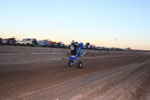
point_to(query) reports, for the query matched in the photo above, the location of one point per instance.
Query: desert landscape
(36, 73)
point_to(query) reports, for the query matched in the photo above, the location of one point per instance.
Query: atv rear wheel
(80, 65)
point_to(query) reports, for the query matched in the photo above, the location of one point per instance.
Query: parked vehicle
(44, 43)
(5, 41)
(60, 44)
(87, 45)
(0, 41)
(53, 44)
(28, 42)
(12, 41)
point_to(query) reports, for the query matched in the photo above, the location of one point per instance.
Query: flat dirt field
(36, 73)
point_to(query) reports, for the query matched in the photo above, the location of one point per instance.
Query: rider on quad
(76, 53)
(73, 47)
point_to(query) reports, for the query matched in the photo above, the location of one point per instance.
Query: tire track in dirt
(88, 79)
(126, 87)
(68, 87)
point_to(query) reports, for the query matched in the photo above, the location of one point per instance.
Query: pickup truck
(28, 42)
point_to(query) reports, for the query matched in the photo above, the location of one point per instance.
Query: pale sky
(109, 23)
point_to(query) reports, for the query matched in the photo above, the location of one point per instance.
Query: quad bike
(75, 59)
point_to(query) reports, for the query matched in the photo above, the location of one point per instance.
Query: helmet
(73, 42)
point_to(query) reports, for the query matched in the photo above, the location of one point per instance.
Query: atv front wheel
(70, 63)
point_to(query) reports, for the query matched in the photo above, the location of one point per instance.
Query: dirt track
(42, 74)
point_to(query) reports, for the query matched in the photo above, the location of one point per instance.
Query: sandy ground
(35, 73)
